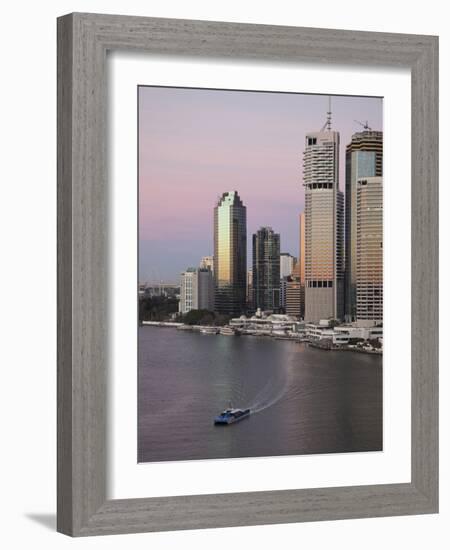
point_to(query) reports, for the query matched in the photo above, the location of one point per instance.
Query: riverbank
(324, 345)
(344, 347)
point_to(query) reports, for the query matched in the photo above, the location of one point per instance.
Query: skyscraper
(369, 249)
(324, 210)
(196, 289)
(266, 269)
(230, 254)
(363, 158)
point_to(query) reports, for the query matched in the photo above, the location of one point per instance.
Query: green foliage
(157, 308)
(204, 317)
(198, 317)
(221, 320)
(375, 344)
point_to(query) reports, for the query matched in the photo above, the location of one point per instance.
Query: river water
(304, 400)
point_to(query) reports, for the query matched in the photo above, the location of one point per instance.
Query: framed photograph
(247, 274)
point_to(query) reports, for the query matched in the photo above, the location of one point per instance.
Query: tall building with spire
(324, 226)
(266, 269)
(230, 254)
(363, 158)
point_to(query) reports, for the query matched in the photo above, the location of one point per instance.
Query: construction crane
(365, 124)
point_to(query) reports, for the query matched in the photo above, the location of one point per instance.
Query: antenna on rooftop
(327, 124)
(329, 114)
(365, 124)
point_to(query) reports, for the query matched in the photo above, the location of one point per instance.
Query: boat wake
(272, 393)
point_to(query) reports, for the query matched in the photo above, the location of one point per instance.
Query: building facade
(301, 263)
(293, 305)
(283, 290)
(324, 228)
(230, 254)
(287, 263)
(369, 249)
(207, 262)
(196, 289)
(249, 296)
(363, 158)
(266, 269)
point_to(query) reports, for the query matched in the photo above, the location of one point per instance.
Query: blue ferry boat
(229, 416)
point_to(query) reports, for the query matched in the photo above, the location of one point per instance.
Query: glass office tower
(230, 254)
(266, 269)
(363, 158)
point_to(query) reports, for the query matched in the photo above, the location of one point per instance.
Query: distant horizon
(196, 144)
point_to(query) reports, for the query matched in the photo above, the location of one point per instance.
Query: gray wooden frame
(83, 40)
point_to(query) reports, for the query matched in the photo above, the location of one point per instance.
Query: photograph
(260, 274)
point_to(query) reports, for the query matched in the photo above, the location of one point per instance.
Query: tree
(157, 308)
(195, 316)
(204, 317)
(375, 343)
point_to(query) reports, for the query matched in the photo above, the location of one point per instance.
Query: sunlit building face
(230, 254)
(323, 230)
(363, 158)
(369, 249)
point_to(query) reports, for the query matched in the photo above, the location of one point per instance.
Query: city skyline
(192, 150)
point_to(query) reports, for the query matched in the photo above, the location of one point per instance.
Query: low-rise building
(275, 324)
(342, 334)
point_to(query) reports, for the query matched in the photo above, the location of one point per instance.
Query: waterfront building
(230, 254)
(266, 269)
(342, 334)
(269, 325)
(207, 262)
(369, 249)
(363, 158)
(324, 225)
(287, 263)
(196, 289)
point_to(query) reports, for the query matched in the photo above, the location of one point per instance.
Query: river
(303, 400)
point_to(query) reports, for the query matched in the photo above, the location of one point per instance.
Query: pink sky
(196, 144)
